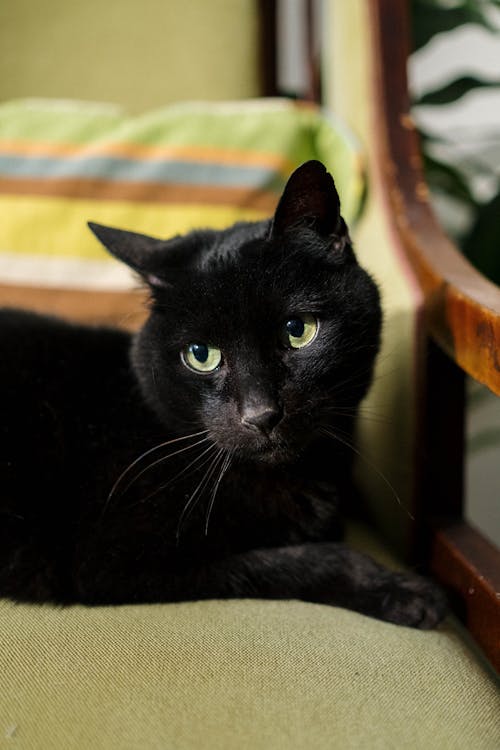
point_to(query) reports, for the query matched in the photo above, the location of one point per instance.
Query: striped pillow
(162, 173)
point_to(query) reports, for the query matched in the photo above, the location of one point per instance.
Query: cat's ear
(310, 199)
(144, 254)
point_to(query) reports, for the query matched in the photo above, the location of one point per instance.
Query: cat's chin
(272, 456)
(269, 452)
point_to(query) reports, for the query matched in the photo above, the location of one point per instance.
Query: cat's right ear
(144, 254)
(310, 199)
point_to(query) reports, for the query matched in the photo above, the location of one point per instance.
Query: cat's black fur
(241, 499)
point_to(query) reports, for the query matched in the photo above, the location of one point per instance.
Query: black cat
(207, 455)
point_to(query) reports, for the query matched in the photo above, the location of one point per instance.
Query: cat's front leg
(328, 573)
(334, 574)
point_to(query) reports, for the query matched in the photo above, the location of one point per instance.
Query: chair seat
(236, 674)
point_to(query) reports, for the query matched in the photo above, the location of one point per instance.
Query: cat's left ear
(310, 199)
(144, 254)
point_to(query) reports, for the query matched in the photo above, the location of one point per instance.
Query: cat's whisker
(340, 388)
(374, 468)
(354, 377)
(357, 379)
(161, 460)
(225, 466)
(359, 414)
(153, 375)
(155, 448)
(195, 465)
(325, 406)
(195, 496)
(353, 411)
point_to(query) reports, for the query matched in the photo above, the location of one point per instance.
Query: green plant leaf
(482, 245)
(455, 90)
(487, 438)
(446, 178)
(430, 18)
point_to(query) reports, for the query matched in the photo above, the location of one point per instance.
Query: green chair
(262, 674)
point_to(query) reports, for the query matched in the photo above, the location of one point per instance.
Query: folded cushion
(162, 173)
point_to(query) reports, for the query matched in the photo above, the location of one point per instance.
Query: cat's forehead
(247, 252)
(243, 232)
(256, 271)
(236, 243)
(242, 276)
(251, 285)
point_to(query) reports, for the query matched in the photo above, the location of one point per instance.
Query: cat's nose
(261, 417)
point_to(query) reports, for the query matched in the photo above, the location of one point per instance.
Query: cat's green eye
(300, 330)
(202, 357)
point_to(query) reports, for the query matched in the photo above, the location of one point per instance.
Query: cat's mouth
(275, 447)
(276, 454)
(266, 443)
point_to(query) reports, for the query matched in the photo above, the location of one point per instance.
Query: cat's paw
(412, 601)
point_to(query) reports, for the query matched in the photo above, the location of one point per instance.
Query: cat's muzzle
(262, 419)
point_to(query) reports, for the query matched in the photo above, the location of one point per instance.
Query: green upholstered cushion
(136, 54)
(251, 675)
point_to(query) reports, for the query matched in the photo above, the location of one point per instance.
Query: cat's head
(261, 333)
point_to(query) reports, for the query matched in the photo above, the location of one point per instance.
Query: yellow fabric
(239, 674)
(37, 237)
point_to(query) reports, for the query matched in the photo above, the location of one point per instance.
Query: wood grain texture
(123, 309)
(462, 306)
(267, 59)
(466, 563)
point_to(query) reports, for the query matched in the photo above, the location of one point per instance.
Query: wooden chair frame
(460, 333)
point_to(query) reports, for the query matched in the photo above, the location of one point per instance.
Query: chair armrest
(462, 307)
